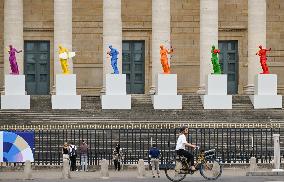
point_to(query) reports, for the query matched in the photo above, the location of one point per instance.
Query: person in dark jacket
(154, 155)
(73, 156)
(117, 157)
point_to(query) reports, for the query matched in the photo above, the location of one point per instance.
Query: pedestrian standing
(73, 156)
(116, 157)
(65, 151)
(84, 156)
(154, 155)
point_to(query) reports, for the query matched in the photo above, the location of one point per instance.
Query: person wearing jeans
(84, 156)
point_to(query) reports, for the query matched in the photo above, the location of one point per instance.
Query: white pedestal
(216, 93)
(166, 93)
(116, 97)
(265, 92)
(15, 94)
(66, 97)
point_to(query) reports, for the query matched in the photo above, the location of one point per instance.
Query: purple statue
(12, 59)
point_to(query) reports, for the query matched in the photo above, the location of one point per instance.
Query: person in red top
(262, 54)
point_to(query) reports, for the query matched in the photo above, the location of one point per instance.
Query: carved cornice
(232, 29)
(137, 29)
(32, 29)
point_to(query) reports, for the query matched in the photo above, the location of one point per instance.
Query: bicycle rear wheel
(173, 171)
(211, 170)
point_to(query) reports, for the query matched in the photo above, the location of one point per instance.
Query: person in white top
(180, 147)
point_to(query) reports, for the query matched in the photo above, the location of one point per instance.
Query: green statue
(215, 60)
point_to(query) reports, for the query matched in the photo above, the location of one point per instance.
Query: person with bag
(117, 157)
(73, 156)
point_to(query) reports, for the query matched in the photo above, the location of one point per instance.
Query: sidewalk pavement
(228, 175)
(126, 174)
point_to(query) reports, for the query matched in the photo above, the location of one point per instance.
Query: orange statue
(164, 58)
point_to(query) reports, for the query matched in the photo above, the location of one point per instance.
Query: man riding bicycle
(180, 147)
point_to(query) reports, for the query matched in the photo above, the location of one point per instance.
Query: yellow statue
(63, 55)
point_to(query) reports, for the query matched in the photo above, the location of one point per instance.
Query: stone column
(161, 34)
(208, 37)
(62, 31)
(277, 157)
(112, 35)
(256, 37)
(13, 32)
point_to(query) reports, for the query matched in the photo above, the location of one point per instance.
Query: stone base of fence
(130, 167)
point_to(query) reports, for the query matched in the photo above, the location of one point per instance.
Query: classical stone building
(137, 28)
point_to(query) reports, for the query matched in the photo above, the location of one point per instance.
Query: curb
(265, 173)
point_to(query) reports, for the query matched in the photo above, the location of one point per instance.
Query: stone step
(142, 111)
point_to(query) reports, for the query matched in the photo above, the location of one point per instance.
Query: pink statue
(262, 54)
(12, 59)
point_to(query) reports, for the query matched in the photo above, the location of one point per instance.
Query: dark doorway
(37, 66)
(229, 60)
(133, 65)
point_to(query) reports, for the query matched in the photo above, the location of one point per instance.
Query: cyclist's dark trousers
(188, 155)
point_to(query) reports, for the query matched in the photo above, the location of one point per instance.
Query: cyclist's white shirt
(181, 142)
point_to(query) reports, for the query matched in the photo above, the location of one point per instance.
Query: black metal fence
(233, 145)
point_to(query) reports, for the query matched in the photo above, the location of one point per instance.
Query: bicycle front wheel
(173, 171)
(211, 170)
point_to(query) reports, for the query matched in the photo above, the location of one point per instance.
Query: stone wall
(275, 39)
(1, 43)
(136, 17)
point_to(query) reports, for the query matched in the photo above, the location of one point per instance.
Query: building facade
(136, 28)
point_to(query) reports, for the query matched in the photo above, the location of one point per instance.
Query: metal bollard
(28, 170)
(104, 169)
(141, 169)
(252, 164)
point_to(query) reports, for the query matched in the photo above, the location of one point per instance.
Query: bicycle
(211, 169)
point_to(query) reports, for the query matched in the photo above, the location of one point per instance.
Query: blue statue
(113, 53)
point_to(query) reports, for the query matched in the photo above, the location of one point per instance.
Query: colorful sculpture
(215, 60)
(164, 58)
(13, 61)
(64, 59)
(113, 53)
(262, 54)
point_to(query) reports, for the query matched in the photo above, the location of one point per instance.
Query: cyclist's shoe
(192, 168)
